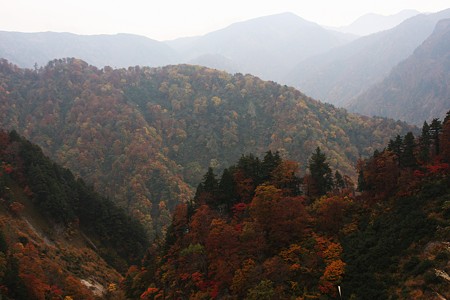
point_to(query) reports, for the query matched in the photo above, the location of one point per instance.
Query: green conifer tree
(227, 189)
(435, 129)
(339, 182)
(407, 157)
(425, 143)
(320, 172)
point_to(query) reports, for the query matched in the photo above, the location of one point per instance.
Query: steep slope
(249, 234)
(120, 50)
(400, 249)
(345, 72)
(418, 88)
(145, 136)
(372, 23)
(58, 237)
(266, 47)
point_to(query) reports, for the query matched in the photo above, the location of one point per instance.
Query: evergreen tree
(425, 143)
(407, 158)
(227, 189)
(251, 166)
(339, 182)
(269, 163)
(395, 145)
(321, 174)
(207, 190)
(210, 183)
(361, 181)
(445, 139)
(435, 128)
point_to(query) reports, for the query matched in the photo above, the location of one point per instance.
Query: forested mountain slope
(417, 88)
(255, 232)
(345, 72)
(58, 237)
(145, 136)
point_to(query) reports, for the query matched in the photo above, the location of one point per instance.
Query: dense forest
(262, 230)
(145, 136)
(56, 232)
(292, 218)
(185, 182)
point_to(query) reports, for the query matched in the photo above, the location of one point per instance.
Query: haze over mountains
(265, 46)
(283, 220)
(325, 64)
(416, 89)
(345, 72)
(121, 50)
(372, 23)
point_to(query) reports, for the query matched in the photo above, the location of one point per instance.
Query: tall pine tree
(321, 175)
(425, 143)
(407, 157)
(435, 129)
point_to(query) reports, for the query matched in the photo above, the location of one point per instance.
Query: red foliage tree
(224, 256)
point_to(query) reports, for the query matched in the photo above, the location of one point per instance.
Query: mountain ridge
(417, 88)
(145, 136)
(264, 46)
(345, 72)
(372, 23)
(118, 50)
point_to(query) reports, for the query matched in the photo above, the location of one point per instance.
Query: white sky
(169, 19)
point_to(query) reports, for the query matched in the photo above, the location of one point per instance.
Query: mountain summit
(345, 72)
(372, 23)
(265, 46)
(418, 88)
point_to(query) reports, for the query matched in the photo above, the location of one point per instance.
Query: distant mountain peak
(345, 72)
(372, 22)
(280, 19)
(417, 88)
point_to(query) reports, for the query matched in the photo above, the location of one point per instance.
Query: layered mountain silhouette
(328, 65)
(266, 46)
(120, 50)
(373, 23)
(345, 72)
(418, 88)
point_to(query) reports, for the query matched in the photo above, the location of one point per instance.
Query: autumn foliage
(142, 136)
(266, 228)
(261, 241)
(263, 231)
(54, 239)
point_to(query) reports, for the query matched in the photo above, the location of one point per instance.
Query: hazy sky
(168, 19)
